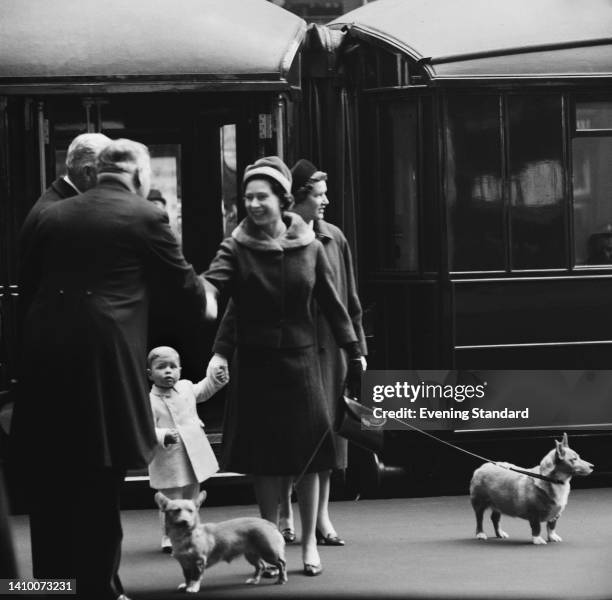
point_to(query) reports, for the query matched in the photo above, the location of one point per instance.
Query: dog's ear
(161, 500)
(564, 442)
(200, 499)
(561, 448)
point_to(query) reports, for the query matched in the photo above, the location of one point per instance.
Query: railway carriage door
(184, 140)
(399, 243)
(193, 145)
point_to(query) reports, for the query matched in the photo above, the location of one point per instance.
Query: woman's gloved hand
(353, 377)
(218, 366)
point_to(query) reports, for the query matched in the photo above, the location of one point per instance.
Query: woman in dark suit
(273, 267)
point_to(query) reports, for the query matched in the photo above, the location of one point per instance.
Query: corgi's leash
(487, 460)
(297, 480)
(433, 437)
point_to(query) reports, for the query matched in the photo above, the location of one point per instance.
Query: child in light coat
(184, 457)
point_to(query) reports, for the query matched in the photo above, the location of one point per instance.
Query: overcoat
(277, 413)
(88, 267)
(60, 189)
(331, 358)
(191, 460)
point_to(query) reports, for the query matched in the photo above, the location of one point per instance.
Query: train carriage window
(535, 177)
(592, 182)
(166, 172)
(474, 183)
(396, 239)
(229, 183)
(592, 115)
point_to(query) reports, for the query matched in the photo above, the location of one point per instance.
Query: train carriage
(206, 84)
(474, 153)
(468, 145)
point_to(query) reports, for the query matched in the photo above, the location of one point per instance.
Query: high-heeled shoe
(313, 570)
(288, 535)
(328, 540)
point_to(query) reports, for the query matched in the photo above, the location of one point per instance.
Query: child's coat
(175, 465)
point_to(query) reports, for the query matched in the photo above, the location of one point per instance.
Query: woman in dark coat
(310, 192)
(273, 267)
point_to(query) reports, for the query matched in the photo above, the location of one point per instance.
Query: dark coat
(273, 283)
(331, 358)
(276, 412)
(60, 189)
(89, 265)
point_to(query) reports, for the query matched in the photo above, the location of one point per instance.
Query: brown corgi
(198, 546)
(519, 495)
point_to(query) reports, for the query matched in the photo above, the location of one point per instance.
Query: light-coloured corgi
(198, 546)
(519, 495)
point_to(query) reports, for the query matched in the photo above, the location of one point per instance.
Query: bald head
(129, 161)
(81, 159)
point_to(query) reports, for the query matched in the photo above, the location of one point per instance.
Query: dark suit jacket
(89, 265)
(58, 190)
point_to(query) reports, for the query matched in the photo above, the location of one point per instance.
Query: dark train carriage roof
(493, 39)
(128, 45)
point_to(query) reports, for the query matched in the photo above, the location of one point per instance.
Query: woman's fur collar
(298, 234)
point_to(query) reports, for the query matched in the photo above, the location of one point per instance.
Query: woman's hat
(302, 171)
(270, 166)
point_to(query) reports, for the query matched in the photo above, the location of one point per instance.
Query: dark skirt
(333, 374)
(276, 413)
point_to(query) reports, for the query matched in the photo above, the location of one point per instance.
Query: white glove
(212, 293)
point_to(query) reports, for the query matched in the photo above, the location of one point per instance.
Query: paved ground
(402, 548)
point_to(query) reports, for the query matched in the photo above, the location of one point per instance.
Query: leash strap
(530, 473)
(297, 480)
(437, 439)
(478, 456)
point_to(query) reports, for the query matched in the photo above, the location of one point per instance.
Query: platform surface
(396, 548)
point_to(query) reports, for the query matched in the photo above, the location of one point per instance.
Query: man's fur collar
(298, 234)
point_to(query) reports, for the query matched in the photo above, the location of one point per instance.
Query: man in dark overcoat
(81, 175)
(83, 416)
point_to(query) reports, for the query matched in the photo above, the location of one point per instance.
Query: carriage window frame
(504, 153)
(373, 254)
(584, 188)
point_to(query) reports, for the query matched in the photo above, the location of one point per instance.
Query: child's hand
(172, 437)
(221, 374)
(218, 369)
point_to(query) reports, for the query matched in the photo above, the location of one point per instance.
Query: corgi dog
(518, 495)
(198, 546)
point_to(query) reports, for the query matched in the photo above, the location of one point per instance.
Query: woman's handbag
(357, 424)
